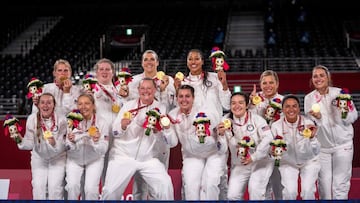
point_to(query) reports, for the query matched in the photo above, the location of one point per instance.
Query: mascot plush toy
(89, 83)
(273, 110)
(34, 88)
(278, 147)
(202, 124)
(218, 60)
(244, 146)
(12, 128)
(73, 118)
(343, 102)
(123, 78)
(152, 121)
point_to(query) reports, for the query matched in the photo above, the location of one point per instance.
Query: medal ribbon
(93, 121)
(107, 93)
(43, 126)
(173, 121)
(135, 111)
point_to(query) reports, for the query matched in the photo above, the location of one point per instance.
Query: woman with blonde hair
(335, 133)
(87, 144)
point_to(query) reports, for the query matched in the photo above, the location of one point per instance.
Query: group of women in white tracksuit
(326, 154)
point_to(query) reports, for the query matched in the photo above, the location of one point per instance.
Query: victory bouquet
(202, 124)
(73, 118)
(12, 128)
(89, 83)
(244, 146)
(152, 121)
(218, 60)
(272, 111)
(343, 102)
(278, 146)
(124, 77)
(35, 87)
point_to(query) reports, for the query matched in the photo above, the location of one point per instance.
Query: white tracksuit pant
(152, 171)
(47, 174)
(92, 174)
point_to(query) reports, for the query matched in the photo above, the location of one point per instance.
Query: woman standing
(335, 133)
(45, 132)
(62, 89)
(211, 89)
(87, 145)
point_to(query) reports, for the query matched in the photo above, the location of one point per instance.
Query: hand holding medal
(180, 76)
(115, 108)
(165, 122)
(92, 131)
(309, 132)
(227, 123)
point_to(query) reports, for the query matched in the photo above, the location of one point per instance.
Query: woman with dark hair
(211, 90)
(334, 112)
(300, 155)
(44, 135)
(248, 138)
(203, 162)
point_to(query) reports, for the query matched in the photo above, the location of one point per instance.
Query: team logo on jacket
(250, 127)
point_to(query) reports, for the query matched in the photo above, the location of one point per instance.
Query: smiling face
(185, 99)
(291, 109)
(46, 105)
(147, 91)
(104, 73)
(86, 105)
(195, 62)
(238, 105)
(269, 86)
(150, 63)
(320, 79)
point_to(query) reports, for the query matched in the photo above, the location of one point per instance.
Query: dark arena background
(287, 36)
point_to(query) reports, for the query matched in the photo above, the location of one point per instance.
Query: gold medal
(256, 100)
(315, 108)
(127, 115)
(160, 75)
(47, 134)
(92, 131)
(115, 108)
(307, 133)
(165, 121)
(180, 76)
(227, 123)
